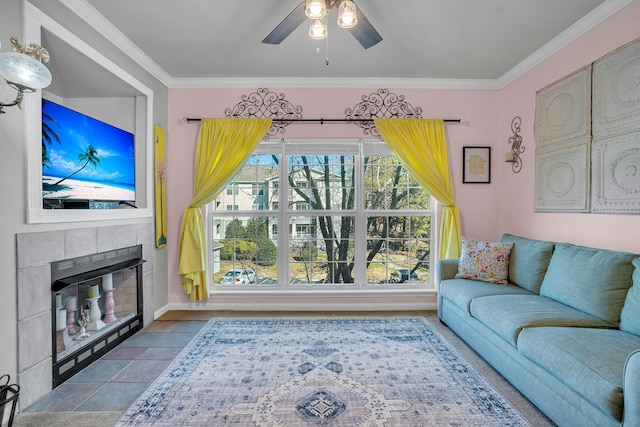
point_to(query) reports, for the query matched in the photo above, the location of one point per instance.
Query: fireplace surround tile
(106, 239)
(126, 235)
(34, 253)
(35, 382)
(34, 290)
(39, 248)
(79, 242)
(34, 338)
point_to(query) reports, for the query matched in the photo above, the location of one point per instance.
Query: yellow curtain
(224, 145)
(421, 144)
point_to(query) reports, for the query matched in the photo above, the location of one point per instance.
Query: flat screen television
(86, 163)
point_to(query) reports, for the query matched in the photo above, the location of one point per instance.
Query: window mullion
(360, 250)
(283, 220)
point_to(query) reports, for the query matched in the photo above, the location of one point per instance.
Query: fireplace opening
(96, 304)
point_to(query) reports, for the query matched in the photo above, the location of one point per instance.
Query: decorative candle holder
(63, 340)
(109, 306)
(62, 335)
(95, 316)
(72, 327)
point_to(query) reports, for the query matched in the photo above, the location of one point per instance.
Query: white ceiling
(188, 42)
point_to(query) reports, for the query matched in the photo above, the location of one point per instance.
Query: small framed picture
(476, 165)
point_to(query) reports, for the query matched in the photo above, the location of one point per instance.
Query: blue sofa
(565, 330)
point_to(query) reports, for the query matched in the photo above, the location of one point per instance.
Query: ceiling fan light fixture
(315, 9)
(318, 29)
(347, 17)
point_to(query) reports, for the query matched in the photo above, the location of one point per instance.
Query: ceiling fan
(349, 18)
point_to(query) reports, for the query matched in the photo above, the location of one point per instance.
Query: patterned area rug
(321, 372)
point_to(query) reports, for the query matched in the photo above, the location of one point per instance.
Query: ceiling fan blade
(364, 32)
(287, 26)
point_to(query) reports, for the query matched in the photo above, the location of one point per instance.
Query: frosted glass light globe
(23, 72)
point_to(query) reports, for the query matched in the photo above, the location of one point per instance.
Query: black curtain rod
(321, 121)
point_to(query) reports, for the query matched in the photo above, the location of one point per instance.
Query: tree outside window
(366, 222)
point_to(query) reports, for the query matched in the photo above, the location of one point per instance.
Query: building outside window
(355, 219)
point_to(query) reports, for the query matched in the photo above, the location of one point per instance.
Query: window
(355, 219)
(302, 229)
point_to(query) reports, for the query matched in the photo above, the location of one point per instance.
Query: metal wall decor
(562, 132)
(588, 138)
(616, 92)
(513, 156)
(378, 105)
(264, 103)
(615, 185)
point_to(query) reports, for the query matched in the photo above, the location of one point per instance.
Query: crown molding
(324, 82)
(586, 23)
(90, 15)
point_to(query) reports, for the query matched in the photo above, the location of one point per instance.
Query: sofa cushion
(484, 261)
(590, 361)
(529, 261)
(592, 280)
(461, 291)
(508, 315)
(630, 316)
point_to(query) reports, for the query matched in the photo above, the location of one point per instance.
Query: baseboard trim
(319, 307)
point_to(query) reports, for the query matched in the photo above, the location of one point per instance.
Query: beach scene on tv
(84, 159)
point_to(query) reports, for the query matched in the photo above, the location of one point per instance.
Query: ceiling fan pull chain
(327, 49)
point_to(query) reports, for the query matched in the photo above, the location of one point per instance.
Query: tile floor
(115, 381)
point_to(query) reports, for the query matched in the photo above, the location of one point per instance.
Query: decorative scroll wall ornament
(378, 105)
(267, 104)
(616, 92)
(563, 109)
(616, 174)
(562, 179)
(513, 156)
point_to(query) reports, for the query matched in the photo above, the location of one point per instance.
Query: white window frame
(347, 146)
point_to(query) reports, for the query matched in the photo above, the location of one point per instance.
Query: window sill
(326, 293)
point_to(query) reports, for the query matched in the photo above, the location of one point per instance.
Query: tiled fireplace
(43, 360)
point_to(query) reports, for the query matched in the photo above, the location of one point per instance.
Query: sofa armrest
(631, 390)
(446, 269)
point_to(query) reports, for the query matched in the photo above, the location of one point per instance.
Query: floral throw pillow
(484, 261)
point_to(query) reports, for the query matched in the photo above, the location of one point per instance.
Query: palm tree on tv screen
(89, 156)
(48, 135)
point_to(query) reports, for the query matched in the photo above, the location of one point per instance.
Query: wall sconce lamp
(23, 70)
(513, 156)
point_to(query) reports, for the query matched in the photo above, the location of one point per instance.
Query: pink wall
(517, 215)
(487, 210)
(479, 108)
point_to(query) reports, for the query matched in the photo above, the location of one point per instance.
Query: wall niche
(86, 81)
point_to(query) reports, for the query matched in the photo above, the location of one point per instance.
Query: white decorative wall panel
(616, 174)
(563, 109)
(616, 92)
(562, 178)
